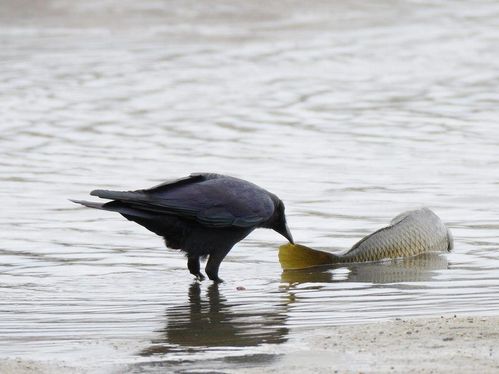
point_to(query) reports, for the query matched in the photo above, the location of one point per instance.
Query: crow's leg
(193, 266)
(214, 262)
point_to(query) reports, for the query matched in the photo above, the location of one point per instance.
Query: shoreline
(416, 345)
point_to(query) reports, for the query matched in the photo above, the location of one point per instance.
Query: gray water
(351, 112)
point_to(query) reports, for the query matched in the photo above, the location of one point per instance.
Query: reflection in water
(211, 322)
(411, 269)
(202, 324)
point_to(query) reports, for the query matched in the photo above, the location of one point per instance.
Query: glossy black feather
(210, 199)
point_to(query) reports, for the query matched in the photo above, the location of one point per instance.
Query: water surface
(350, 112)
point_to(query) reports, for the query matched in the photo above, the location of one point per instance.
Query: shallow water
(350, 112)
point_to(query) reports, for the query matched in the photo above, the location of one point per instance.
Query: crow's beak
(284, 231)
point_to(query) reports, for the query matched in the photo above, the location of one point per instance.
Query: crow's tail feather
(89, 204)
(120, 207)
(118, 195)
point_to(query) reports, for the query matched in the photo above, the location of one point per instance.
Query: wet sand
(429, 345)
(423, 345)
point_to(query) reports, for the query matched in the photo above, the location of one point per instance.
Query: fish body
(409, 234)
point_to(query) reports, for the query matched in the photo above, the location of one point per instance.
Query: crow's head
(278, 221)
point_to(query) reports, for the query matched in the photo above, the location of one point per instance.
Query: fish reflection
(210, 322)
(411, 269)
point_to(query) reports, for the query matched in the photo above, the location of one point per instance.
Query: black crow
(203, 214)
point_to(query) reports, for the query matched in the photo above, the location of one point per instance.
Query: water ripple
(348, 111)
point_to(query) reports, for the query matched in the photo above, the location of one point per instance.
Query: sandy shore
(427, 345)
(430, 345)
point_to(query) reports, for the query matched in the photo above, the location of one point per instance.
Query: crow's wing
(146, 194)
(193, 178)
(210, 199)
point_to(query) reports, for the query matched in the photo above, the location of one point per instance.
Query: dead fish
(409, 234)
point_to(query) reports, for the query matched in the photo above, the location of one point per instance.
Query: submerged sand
(425, 345)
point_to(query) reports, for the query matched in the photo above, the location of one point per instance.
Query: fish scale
(419, 232)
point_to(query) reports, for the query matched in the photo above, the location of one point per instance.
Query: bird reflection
(211, 322)
(412, 269)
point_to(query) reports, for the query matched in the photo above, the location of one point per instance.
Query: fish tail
(296, 256)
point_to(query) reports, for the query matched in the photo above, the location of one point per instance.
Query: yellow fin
(296, 256)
